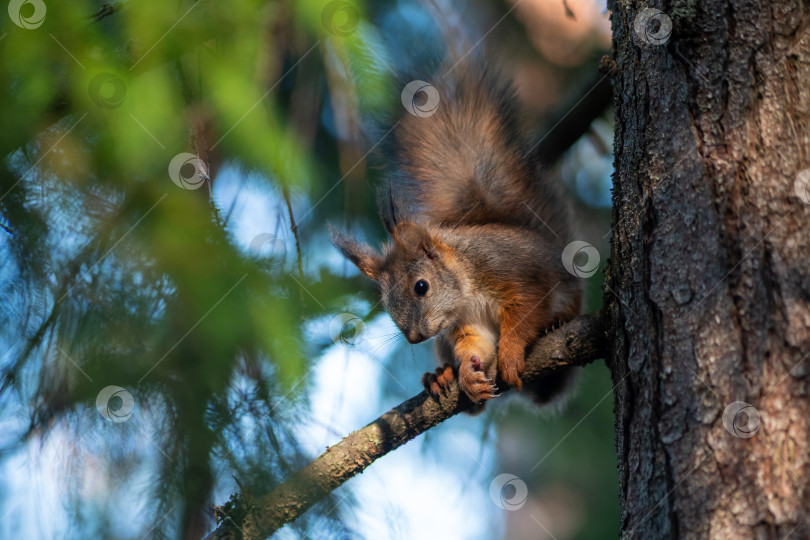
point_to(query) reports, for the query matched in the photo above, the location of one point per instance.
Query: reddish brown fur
(469, 213)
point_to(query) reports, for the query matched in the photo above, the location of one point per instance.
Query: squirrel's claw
(436, 384)
(474, 381)
(511, 365)
(512, 373)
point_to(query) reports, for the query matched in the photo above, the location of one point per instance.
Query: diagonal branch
(578, 342)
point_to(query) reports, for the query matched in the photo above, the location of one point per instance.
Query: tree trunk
(708, 287)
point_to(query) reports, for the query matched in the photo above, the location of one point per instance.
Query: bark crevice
(710, 256)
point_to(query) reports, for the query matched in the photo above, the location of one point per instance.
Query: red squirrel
(477, 236)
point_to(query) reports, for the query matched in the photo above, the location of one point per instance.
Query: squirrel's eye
(421, 287)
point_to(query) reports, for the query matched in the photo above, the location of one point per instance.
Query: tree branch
(574, 118)
(294, 228)
(578, 342)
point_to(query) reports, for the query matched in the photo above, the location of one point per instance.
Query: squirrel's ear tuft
(415, 239)
(389, 213)
(360, 254)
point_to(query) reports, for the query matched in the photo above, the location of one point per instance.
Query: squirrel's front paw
(511, 368)
(473, 380)
(436, 384)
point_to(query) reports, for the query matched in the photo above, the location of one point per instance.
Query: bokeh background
(178, 329)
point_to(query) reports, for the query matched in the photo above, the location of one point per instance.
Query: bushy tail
(462, 159)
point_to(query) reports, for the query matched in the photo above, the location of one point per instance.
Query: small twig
(578, 342)
(106, 10)
(9, 231)
(294, 228)
(568, 12)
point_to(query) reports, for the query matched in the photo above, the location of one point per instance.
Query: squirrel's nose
(415, 337)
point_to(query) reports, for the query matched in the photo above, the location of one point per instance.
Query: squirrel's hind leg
(436, 383)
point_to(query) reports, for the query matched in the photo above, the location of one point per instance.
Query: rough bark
(578, 342)
(709, 280)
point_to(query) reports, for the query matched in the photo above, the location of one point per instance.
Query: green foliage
(113, 272)
(114, 275)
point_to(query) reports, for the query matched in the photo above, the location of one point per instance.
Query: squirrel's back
(466, 161)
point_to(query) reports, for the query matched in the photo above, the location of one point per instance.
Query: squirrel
(477, 232)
